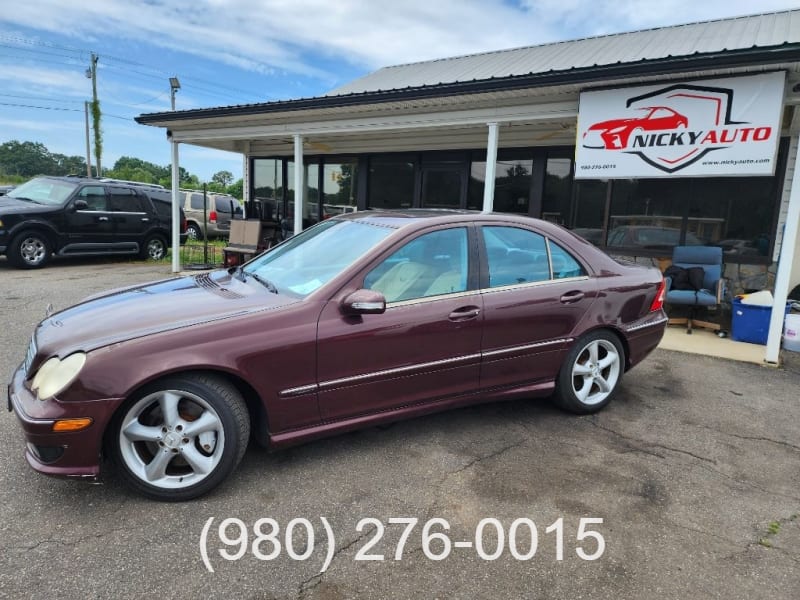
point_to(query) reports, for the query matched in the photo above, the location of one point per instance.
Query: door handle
(145, 220)
(102, 218)
(571, 297)
(464, 313)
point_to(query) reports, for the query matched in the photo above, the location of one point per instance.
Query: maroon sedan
(364, 318)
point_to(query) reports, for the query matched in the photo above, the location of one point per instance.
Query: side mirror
(364, 302)
(80, 205)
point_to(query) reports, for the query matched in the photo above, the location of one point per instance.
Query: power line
(62, 109)
(41, 98)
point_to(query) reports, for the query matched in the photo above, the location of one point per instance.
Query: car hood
(12, 206)
(152, 308)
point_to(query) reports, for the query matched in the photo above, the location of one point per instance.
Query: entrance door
(444, 186)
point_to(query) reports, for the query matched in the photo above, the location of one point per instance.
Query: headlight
(56, 374)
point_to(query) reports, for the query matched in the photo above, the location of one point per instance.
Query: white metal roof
(741, 33)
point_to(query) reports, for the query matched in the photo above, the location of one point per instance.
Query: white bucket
(791, 333)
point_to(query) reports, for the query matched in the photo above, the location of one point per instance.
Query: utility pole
(88, 146)
(98, 140)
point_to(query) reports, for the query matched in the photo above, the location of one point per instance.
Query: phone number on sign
(265, 540)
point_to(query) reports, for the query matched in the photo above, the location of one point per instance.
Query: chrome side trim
(298, 391)
(398, 370)
(425, 299)
(305, 389)
(528, 347)
(648, 324)
(516, 286)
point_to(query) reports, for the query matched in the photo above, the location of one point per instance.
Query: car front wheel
(181, 437)
(590, 373)
(29, 250)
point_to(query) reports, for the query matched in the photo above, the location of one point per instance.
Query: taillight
(212, 216)
(658, 301)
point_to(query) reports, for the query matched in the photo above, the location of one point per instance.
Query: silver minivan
(220, 210)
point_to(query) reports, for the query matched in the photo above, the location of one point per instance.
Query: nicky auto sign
(713, 127)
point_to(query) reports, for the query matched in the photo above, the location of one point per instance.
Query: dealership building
(638, 141)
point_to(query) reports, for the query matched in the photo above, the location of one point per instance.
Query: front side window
(94, 196)
(433, 264)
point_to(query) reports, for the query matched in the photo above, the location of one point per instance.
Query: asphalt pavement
(693, 469)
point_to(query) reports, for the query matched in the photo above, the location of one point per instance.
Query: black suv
(74, 216)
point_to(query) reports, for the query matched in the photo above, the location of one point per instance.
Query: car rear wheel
(181, 437)
(590, 374)
(29, 250)
(155, 248)
(194, 232)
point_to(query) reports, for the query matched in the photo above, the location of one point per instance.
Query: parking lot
(693, 469)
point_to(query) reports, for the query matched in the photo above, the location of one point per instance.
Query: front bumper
(60, 454)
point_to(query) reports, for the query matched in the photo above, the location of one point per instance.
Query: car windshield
(44, 191)
(305, 262)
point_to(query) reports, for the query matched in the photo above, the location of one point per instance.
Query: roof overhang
(536, 109)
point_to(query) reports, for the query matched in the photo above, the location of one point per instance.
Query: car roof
(424, 217)
(78, 179)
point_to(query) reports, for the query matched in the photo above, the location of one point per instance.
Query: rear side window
(515, 256)
(197, 201)
(564, 264)
(125, 200)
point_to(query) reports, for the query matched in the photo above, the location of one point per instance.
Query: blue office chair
(709, 294)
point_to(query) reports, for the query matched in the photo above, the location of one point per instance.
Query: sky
(227, 52)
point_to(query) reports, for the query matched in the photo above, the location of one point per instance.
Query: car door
(534, 295)
(88, 220)
(424, 347)
(129, 213)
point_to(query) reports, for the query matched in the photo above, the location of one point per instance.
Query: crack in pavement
(633, 440)
(752, 437)
(306, 585)
(70, 542)
(478, 459)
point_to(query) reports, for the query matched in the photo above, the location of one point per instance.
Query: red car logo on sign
(681, 124)
(614, 134)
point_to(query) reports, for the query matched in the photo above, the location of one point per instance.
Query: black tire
(591, 373)
(194, 231)
(180, 437)
(154, 248)
(29, 250)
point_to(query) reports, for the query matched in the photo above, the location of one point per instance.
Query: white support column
(783, 276)
(491, 168)
(298, 184)
(246, 175)
(176, 212)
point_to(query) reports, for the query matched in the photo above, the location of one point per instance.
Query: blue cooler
(751, 323)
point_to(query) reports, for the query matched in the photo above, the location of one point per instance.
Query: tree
(27, 159)
(224, 178)
(236, 189)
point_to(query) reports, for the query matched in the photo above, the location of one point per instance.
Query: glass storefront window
(391, 183)
(557, 191)
(512, 185)
(589, 210)
(268, 187)
(648, 214)
(733, 213)
(339, 187)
